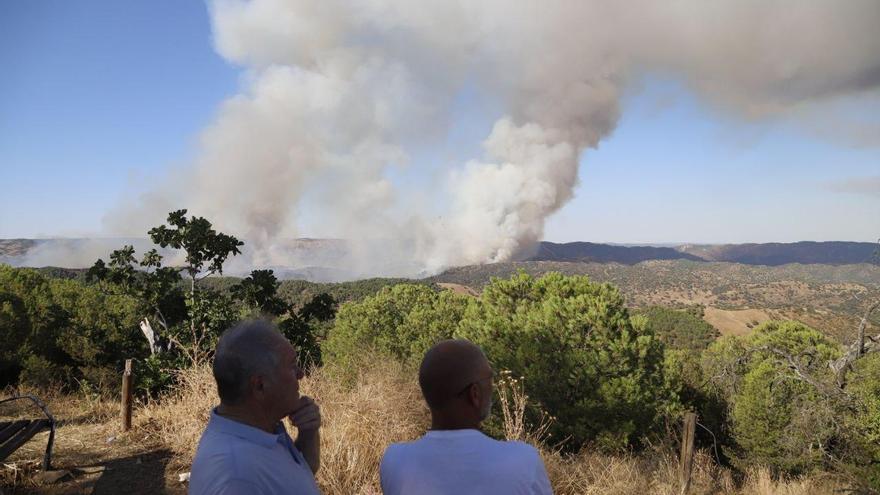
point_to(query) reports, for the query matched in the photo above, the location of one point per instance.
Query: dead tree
(863, 344)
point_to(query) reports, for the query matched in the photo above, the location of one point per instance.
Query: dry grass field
(734, 322)
(384, 406)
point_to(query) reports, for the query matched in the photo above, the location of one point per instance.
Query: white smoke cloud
(81, 252)
(340, 90)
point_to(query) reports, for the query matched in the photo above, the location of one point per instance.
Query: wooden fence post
(126, 396)
(686, 461)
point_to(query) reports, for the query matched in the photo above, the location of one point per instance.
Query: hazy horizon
(275, 120)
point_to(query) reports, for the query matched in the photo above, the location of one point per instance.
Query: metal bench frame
(16, 433)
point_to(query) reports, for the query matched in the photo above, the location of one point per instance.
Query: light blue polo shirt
(236, 459)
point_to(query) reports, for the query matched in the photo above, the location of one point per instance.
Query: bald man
(454, 457)
(245, 449)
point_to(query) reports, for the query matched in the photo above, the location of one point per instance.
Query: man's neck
(247, 415)
(442, 423)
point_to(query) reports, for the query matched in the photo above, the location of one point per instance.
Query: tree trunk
(150, 334)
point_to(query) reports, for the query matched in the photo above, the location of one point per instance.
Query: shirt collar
(464, 433)
(255, 435)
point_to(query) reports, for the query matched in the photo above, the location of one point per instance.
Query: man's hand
(307, 416)
(307, 419)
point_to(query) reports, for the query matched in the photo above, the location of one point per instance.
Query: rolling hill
(771, 254)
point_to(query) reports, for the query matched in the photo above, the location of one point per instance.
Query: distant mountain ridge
(324, 259)
(771, 254)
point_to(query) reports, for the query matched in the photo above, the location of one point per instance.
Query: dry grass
(735, 322)
(385, 406)
(358, 422)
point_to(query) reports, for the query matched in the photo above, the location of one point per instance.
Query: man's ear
(258, 385)
(473, 395)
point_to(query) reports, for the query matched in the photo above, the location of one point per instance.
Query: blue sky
(99, 96)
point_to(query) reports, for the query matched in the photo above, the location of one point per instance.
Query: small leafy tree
(306, 327)
(205, 250)
(259, 293)
(303, 328)
(155, 287)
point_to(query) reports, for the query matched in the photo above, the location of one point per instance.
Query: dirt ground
(735, 322)
(89, 445)
(460, 289)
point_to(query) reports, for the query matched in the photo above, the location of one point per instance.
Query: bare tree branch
(800, 372)
(864, 344)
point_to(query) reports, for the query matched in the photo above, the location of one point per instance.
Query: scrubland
(359, 420)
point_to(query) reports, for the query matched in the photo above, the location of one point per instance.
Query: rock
(183, 477)
(50, 477)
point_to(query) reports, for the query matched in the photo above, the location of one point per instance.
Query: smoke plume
(337, 92)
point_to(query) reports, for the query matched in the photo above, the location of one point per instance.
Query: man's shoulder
(399, 450)
(516, 450)
(477, 458)
(214, 467)
(219, 454)
(416, 443)
(519, 447)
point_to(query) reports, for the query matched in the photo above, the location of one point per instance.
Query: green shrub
(156, 373)
(679, 329)
(775, 418)
(99, 329)
(863, 426)
(585, 361)
(402, 321)
(14, 327)
(100, 381)
(39, 372)
(63, 323)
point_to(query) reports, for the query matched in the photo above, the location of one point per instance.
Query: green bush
(41, 373)
(863, 426)
(402, 322)
(585, 361)
(58, 324)
(100, 329)
(14, 326)
(679, 329)
(157, 373)
(599, 372)
(776, 419)
(99, 381)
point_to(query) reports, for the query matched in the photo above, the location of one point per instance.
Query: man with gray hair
(454, 457)
(245, 448)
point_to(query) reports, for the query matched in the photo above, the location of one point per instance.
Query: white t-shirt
(462, 462)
